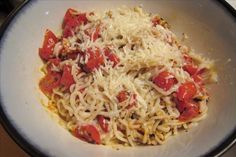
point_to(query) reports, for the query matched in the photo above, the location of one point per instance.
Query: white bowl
(212, 31)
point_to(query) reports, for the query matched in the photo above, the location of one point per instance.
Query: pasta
(121, 77)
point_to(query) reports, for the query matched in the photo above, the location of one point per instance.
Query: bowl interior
(211, 31)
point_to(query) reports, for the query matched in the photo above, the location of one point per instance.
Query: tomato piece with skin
(188, 59)
(72, 19)
(198, 79)
(103, 123)
(132, 102)
(49, 82)
(88, 133)
(50, 40)
(111, 56)
(122, 96)
(186, 91)
(95, 60)
(67, 78)
(69, 28)
(72, 55)
(189, 66)
(96, 34)
(156, 21)
(191, 69)
(82, 18)
(190, 111)
(93, 35)
(53, 62)
(164, 80)
(69, 16)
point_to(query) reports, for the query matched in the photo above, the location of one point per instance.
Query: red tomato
(103, 123)
(155, 21)
(164, 80)
(132, 101)
(190, 68)
(188, 59)
(67, 79)
(94, 62)
(111, 56)
(72, 19)
(190, 111)
(88, 133)
(69, 28)
(72, 55)
(186, 91)
(49, 82)
(187, 109)
(82, 18)
(201, 71)
(96, 33)
(50, 40)
(69, 16)
(122, 96)
(197, 78)
(51, 62)
(82, 90)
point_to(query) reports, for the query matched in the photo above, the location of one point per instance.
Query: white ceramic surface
(211, 30)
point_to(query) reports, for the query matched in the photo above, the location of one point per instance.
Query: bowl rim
(32, 150)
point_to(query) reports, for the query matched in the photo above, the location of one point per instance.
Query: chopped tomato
(111, 56)
(188, 111)
(93, 35)
(103, 123)
(96, 33)
(72, 55)
(51, 62)
(201, 71)
(190, 68)
(50, 40)
(197, 78)
(55, 61)
(95, 60)
(49, 82)
(132, 101)
(67, 79)
(156, 21)
(188, 59)
(69, 28)
(82, 18)
(122, 96)
(165, 80)
(82, 90)
(69, 16)
(186, 91)
(72, 19)
(75, 16)
(87, 133)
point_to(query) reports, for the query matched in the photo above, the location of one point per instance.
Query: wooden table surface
(8, 148)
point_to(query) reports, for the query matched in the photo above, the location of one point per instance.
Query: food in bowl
(121, 77)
